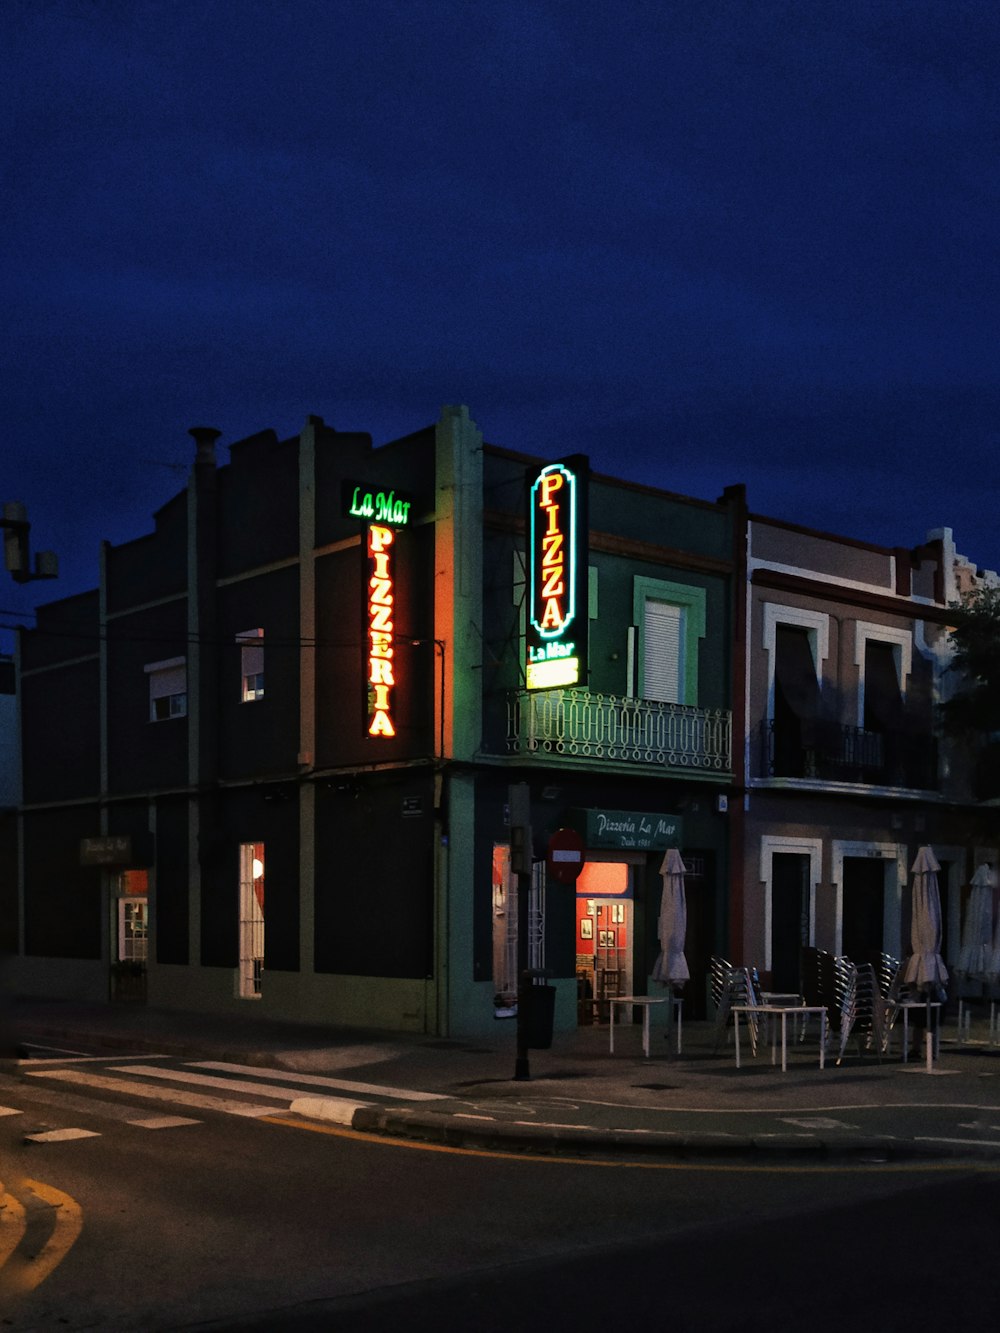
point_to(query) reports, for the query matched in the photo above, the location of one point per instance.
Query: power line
(400, 637)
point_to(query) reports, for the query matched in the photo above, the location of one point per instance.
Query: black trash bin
(540, 1016)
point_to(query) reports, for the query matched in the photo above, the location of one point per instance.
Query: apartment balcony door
(863, 919)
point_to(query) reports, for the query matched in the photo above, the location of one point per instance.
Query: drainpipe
(202, 664)
(736, 499)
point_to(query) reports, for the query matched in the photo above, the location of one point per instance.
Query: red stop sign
(565, 857)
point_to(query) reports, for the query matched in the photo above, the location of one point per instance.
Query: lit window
(251, 644)
(167, 689)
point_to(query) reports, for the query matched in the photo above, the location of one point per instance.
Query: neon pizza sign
(380, 631)
(557, 577)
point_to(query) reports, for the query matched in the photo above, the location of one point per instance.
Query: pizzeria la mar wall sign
(628, 830)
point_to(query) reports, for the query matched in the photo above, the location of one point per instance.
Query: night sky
(703, 241)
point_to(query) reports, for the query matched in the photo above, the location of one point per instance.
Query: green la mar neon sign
(362, 500)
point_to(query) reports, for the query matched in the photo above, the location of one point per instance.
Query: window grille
(505, 922)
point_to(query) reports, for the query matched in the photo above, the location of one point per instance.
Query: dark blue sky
(703, 241)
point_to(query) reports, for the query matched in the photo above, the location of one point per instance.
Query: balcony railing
(609, 728)
(832, 752)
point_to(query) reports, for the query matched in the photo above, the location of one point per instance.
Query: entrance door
(251, 919)
(863, 908)
(789, 919)
(130, 934)
(604, 937)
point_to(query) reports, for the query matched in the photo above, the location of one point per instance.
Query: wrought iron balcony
(831, 752)
(609, 728)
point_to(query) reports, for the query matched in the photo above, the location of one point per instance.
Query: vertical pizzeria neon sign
(380, 630)
(557, 577)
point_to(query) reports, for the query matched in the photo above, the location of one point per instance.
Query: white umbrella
(671, 966)
(925, 969)
(992, 967)
(977, 929)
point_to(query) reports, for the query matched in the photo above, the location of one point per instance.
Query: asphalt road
(199, 1217)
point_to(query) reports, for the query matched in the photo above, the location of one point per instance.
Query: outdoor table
(921, 1006)
(646, 1002)
(781, 1011)
(790, 998)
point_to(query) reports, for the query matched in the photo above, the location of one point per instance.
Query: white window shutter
(663, 655)
(167, 681)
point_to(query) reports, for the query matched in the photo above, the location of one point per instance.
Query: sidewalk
(579, 1097)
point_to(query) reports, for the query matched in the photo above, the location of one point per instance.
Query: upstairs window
(796, 703)
(796, 689)
(167, 689)
(663, 655)
(668, 624)
(883, 655)
(883, 702)
(251, 645)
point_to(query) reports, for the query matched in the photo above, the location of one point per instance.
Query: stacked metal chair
(734, 986)
(863, 1011)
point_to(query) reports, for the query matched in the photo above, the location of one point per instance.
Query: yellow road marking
(12, 1225)
(744, 1168)
(21, 1272)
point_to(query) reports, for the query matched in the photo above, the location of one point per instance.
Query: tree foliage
(976, 641)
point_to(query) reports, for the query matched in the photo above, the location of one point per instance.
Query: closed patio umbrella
(977, 929)
(925, 969)
(671, 968)
(992, 968)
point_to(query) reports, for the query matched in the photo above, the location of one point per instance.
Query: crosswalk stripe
(9, 1110)
(60, 1135)
(178, 1095)
(324, 1081)
(279, 1091)
(35, 1061)
(163, 1122)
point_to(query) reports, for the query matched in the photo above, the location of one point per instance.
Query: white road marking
(67, 1050)
(9, 1110)
(281, 1092)
(322, 1081)
(179, 1095)
(164, 1122)
(86, 1059)
(918, 1068)
(969, 1143)
(817, 1122)
(59, 1135)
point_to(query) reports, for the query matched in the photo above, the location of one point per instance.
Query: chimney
(204, 437)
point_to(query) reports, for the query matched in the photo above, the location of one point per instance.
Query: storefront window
(504, 891)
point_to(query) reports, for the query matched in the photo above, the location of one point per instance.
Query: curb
(451, 1130)
(587, 1140)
